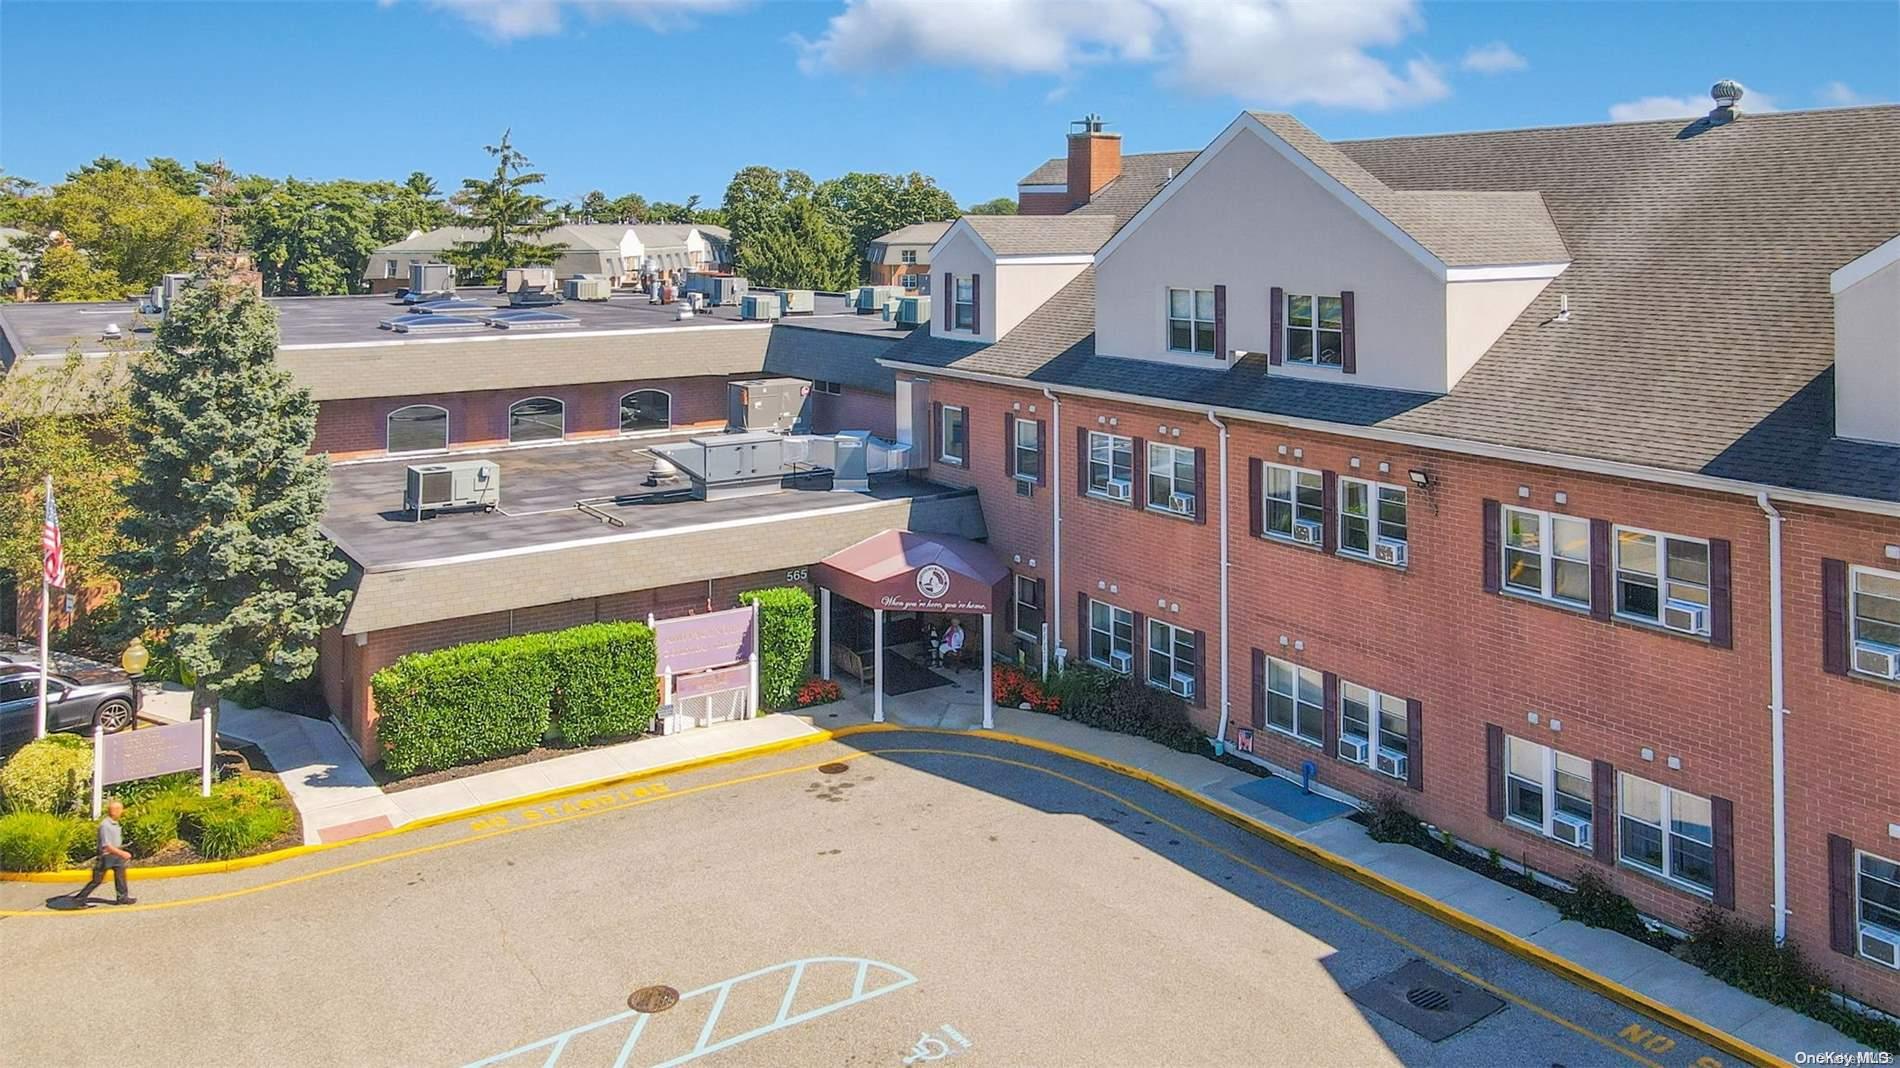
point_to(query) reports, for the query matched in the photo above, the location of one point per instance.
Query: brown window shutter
(1721, 599)
(1007, 624)
(1201, 682)
(1009, 444)
(1493, 546)
(1494, 771)
(1141, 647)
(1138, 453)
(1081, 625)
(1200, 486)
(1276, 326)
(1220, 322)
(1042, 599)
(976, 304)
(936, 431)
(1415, 744)
(1841, 923)
(1082, 461)
(1329, 511)
(1834, 632)
(1348, 348)
(1329, 716)
(949, 302)
(1722, 826)
(1600, 568)
(1256, 498)
(1603, 811)
(1259, 690)
(1042, 453)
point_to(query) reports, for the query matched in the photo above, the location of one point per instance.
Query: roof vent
(1728, 97)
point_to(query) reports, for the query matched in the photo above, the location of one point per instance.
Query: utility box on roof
(798, 301)
(782, 405)
(431, 278)
(462, 484)
(760, 305)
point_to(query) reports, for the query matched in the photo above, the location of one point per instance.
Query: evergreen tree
(800, 250)
(224, 557)
(512, 213)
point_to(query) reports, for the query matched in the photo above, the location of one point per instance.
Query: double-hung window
(1547, 555)
(964, 303)
(1875, 608)
(1296, 701)
(909, 255)
(1878, 892)
(1662, 577)
(1111, 636)
(1315, 327)
(1191, 320)
(1029, 608)
(953, 445)
(1548, 791)
(1292, 500)
(1370, 513)
(1171, 657)
(1666, 832)
(1171, 478)
(1111, 465)
(1371, 722)
(1026, 451)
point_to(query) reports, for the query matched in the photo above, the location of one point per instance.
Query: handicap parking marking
(869, 979)
(568, 806)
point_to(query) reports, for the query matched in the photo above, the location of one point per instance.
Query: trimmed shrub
(1390, 821)
(464, 704)
(1745, 955)
(152, 824)
(139, 791)
(788, 625)
(605, 682)
(240, 815)
(817, 691)
(51, 774)
(1106, 700)
(40, 841)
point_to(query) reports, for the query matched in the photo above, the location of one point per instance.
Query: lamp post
(134, 660)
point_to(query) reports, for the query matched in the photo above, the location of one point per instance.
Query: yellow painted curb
(214, 867)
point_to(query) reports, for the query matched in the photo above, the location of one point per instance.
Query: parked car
(75, 701)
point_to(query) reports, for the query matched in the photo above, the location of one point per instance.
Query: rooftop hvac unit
(516, 279)
(759, 306)
(1354, 747)
(426, 279)
(588, 287)
(798, 301)
(871, 299)
(1570, 829)
(913, 312)
(718, 289)
(775, 404)
(442, 487)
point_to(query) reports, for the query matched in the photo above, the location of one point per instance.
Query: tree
(65, 273)
(629, 209)
(594, 208)
(187, 183)
(867, 206)
(505, 206)
(22, 202)
(222, 553)
(315, 237)
(999, 206)
(415, 205)
(756, 199)
(800, 249)
(130, 221)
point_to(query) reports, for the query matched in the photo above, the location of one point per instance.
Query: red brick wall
(356, 427)
(1094, 161)
(854, 409)
(889, 274)
(1431, 633)
(1043, 203)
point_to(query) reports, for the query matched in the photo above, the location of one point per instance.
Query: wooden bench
(854, 662)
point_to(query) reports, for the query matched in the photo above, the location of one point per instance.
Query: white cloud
(1267, 52)
(507, 20)
(1494, 58)
(1840, 95)
(1683, 107)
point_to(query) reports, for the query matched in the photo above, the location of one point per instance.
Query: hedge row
(489, 699)
(788, 626)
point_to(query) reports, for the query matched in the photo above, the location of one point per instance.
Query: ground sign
(141, 754)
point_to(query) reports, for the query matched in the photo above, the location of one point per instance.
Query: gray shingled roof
(923, 233)
(805, 352)
(1701, 336)
(1042, 235)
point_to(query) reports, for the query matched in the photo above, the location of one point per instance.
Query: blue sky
(669, 97)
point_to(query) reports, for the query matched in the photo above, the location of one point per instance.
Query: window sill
(1169, 512)
(1672, 883)
(1106, 499)
(1366, 558)
(1654, 627)
(1282, 539)
(1523, 827)
(1547, 602)
(1110, 668)
(1881, 964)
(951, 460)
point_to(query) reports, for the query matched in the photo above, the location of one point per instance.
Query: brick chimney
(1095, 159)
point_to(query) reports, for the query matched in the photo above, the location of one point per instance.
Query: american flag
(51, 552)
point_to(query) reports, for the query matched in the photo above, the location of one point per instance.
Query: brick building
(1549, 479)
(902, 257)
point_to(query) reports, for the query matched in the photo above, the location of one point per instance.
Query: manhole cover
(652, 999)
(1426, 1001)
(836, 767)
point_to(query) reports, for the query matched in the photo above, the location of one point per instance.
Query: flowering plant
(817, 692)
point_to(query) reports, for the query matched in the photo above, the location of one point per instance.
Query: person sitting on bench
(949, 645)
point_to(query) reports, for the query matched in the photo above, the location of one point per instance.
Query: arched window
(537, 419)
(646, 409)
(418, 428)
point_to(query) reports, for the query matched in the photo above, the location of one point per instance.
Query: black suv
(75, 701)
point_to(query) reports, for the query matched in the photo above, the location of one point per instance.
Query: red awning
(911, 572)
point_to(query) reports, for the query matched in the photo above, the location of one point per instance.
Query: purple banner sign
(695, 643)
(699, 684)
(141, 754)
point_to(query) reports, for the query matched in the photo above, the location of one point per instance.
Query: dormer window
(1191, 321)
(964, 304)
(1315, 330)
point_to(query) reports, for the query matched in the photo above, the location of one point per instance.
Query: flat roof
(540, 486)
(49, 329)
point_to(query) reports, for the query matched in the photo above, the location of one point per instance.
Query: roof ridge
(1750, 116)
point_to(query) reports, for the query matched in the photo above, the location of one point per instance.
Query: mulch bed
(254, 764)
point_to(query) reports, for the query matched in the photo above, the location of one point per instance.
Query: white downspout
(1776, 715)
(1220, 738)
(1054, 605)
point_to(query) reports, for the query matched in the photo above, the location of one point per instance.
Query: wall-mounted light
(1419, 478)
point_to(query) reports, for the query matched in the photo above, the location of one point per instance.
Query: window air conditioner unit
(1181, 503)
(1308, 532)
(1120, 489)
(1181, 686)
(1392, 763)
(1880, 944)
(1685, 616)
(1387, 551)
(1025, 486)
(1873, 658)
(1353, 747)
(1570, 829)
(1122, 661)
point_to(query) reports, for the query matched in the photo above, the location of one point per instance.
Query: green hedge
(605, 681)
(51, 774)
(1119, 703)
(788, 625)
(39, 841)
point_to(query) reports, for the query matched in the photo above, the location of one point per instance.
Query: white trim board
(1883, 255)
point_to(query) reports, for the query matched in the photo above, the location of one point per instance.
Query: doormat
(903, 675)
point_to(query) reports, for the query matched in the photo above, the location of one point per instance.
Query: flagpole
(46, 604)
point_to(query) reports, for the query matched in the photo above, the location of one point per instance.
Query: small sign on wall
(1243, 739)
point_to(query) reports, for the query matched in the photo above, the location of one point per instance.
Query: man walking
(112, 854)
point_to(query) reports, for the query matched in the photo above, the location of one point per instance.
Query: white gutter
(1461, 446)
(1054, 605)
(1220, 736)
(1776, 715)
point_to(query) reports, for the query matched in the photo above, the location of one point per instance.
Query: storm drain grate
(651, 999)
(1426, 1001)
(836, 767)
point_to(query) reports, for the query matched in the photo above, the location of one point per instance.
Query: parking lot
(892, 898)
